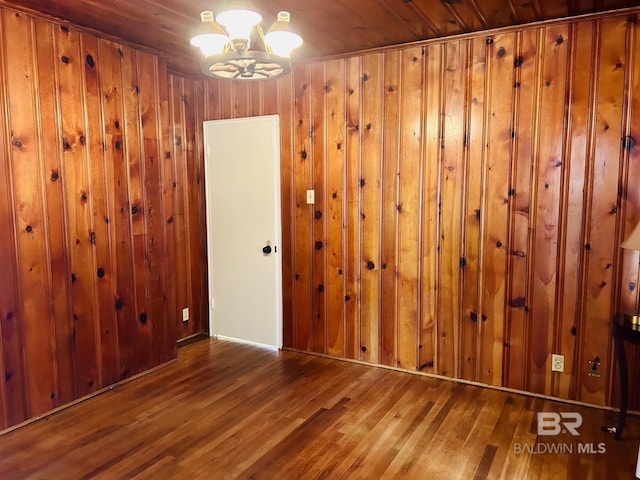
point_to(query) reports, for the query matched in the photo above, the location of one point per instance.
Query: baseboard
(466, 382)
(246, 342)
(86, 397)
(196, 337)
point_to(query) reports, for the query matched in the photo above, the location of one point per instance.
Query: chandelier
(225, 43)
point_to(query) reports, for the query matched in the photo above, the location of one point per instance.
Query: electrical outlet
(557, 363)
(185, 314)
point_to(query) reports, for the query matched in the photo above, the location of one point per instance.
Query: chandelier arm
(267, 47)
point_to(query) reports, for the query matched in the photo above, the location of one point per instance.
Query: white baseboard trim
(247, 342)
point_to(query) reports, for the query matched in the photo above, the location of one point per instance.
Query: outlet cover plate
(557, 363)
(185, 314)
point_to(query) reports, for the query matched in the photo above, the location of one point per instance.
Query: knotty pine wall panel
(471, 196)
(188, 218)
(90, 209)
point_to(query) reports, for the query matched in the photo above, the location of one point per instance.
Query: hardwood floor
(227, 410)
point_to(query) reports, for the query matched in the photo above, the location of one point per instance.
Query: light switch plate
(185, 314)
(311, 197)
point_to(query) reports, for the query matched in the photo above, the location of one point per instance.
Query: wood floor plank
(228, 410)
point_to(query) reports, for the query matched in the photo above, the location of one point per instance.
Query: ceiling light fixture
(225, 42)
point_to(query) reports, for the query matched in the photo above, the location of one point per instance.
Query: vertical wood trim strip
(420, 296)
(486, 127)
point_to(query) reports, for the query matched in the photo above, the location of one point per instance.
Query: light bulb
(239, 22)
(211, 37)
(280, 37)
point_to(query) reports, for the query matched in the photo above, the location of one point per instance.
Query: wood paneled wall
(471, 196)
(188, 252)
(92, 206)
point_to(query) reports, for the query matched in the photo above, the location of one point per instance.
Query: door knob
(266, 249)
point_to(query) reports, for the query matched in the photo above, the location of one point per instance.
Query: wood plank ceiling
(330, 27)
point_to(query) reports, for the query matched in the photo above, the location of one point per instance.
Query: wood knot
(628, 142)
(518, 302)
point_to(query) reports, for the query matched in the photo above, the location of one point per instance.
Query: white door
(242, 169)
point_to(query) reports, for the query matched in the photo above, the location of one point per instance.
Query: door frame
(244, 124)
